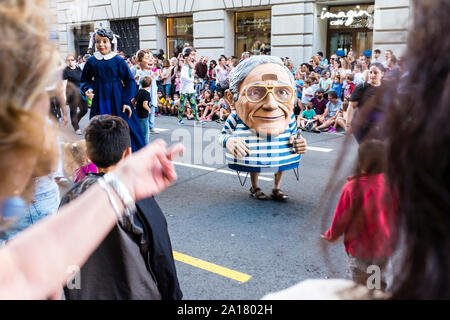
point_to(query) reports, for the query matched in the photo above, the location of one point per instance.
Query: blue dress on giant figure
(114, 86)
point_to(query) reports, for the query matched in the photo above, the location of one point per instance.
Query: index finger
(175, 151)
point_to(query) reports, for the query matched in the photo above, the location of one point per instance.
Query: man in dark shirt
(319, 105)
(142, 103)
(201, 71)
(319, 102)
(75, 99)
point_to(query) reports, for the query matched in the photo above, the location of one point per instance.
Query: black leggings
(75, 115)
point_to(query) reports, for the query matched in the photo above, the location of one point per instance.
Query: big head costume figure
(108, 77)
(261, 133)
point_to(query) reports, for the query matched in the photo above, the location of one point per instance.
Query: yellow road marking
(211, 267)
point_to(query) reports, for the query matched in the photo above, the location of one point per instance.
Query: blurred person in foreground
(135, 260)
(38, 262)
(417, 169)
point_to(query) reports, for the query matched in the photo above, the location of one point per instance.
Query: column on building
(292, 30)
(391, 25)
(214, 33)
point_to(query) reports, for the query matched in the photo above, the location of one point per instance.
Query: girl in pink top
(365, 216)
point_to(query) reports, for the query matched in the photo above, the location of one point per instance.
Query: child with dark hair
(135, 260)
(142, 103)
(365, 215)
(212, 107)
(205, 101)
(224, 112)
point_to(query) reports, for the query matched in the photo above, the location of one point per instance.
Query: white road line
(319, 149)
(161, 129)
(213, 169)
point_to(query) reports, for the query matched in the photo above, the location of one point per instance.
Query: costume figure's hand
(238, 147)
(299, 144)
(127, 110)
(150, 170)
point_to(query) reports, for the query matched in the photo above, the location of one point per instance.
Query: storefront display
(349, 28)
(179, 32)
(252, 32)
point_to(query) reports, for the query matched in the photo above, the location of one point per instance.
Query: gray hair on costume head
(239, 73)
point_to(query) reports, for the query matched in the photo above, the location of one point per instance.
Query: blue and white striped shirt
(267, 154)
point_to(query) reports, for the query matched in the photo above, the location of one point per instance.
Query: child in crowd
(207, 86)
(358, 76)
(188, 112)
(176, 104)
(213, 107)
(142, 103)
(307, 94)
(365, 215)
(349, 87)
(223, 112)
(299, 83)
(341, 119)
(307, 119)
(177, 82)
(336, 86)
(204, 103)
(325, 83)
(134, 261)
(169, 105)
(315, 78)
(161, 101)
(76, 163)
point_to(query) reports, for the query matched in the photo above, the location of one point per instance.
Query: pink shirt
(365, 215)
(82, 172)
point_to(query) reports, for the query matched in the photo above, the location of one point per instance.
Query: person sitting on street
(307, 120)
(331, 112)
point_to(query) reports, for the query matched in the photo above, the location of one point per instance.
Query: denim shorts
(44, 204)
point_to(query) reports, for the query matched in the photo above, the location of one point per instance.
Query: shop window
(179, 32)
(349, 28)
(252, 32)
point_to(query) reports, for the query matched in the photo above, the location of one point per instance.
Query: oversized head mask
(262, 93)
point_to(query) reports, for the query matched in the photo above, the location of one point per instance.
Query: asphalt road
(211, 217)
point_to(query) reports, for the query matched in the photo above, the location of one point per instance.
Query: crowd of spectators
(324, 87)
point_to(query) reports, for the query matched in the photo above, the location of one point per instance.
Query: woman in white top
(187, 90)
(166, 77)
(222, 75)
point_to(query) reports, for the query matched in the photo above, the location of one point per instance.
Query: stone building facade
(289, 28)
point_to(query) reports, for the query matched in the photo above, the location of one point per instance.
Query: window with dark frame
(128, 31)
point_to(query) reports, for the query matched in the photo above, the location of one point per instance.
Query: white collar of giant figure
(108, 56)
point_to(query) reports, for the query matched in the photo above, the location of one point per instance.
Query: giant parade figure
(106, 74)
(261, 133)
